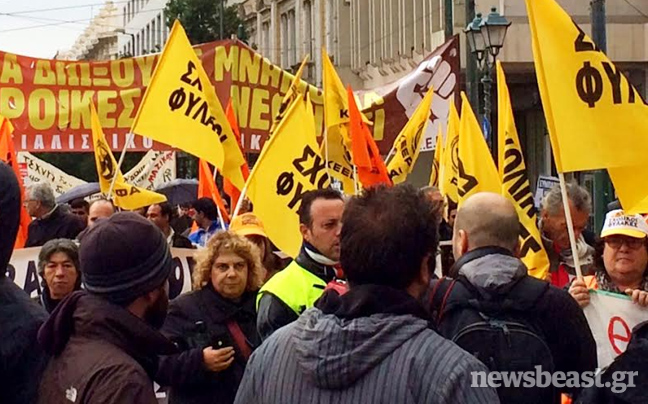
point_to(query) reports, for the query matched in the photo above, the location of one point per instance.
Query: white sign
(23, 270)
(611, 318)
(41, 171)
(154, 170)
(544, 184)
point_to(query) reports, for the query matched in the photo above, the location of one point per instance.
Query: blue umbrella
(80, 191)
(179, 191)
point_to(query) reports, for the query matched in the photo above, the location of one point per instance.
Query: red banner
(48, 100)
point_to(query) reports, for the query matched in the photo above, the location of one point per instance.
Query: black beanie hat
(124, 257)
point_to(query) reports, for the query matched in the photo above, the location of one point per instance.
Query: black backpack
(498, 329)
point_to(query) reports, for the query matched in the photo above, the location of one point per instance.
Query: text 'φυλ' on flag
(180, 108)
(124, 195)
(515, 183)
(336, 143)
(589, 104)
(477, 172)
(408, 143)
(289, 165)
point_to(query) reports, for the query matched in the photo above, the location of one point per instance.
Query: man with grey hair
(495, 310)
(50, 221)
(555, 237)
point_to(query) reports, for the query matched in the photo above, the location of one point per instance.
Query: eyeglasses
(616, 242)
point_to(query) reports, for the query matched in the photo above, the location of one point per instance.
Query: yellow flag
(407, 144)
(588, 102)
(336, 146)
(289, 165)
(477, 172)
(124, 195)
(290, 96)
(515, 183)
(450, 170)
(180, 108)
(436, 174)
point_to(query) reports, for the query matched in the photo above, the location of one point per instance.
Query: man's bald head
(100, 209)
(486, 220)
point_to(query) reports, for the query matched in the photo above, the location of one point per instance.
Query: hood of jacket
(9, 214)
(491, 268)
(84, 315)
(344, 337)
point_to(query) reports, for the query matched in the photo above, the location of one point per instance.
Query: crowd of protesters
(363, 314)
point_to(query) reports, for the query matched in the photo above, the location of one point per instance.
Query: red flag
(207, 188)
(8, 155)
(366, 156)
(229, 188)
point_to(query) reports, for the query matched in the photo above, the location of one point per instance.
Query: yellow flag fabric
(588, 102)
(477, 172)
(336, 146)
(289, 165)
(450, 168)
(515, 183)
(436, 174)
(629, 188)
(407, 144)
(124, 195)
(180, 108)
(290, 96)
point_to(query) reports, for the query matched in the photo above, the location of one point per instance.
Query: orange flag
(366, 156)
(207, 188)
(8, 155)
(229, 188)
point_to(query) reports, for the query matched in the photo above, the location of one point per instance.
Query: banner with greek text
(47, 100)
(23, 270)
(154, 170)
(41, 171)
(611, 318)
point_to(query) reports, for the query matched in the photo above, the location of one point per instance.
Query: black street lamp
(486, 38)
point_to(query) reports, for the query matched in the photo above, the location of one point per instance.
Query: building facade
(144, 27)
(99, 41)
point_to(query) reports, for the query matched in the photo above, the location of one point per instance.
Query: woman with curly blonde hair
(215, 324)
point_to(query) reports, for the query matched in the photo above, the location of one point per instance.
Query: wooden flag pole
(570, 226)
(129, 137)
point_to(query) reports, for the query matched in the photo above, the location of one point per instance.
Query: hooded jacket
(21, 359)
(273, 312)
(371, 345)
(101, 354)
(562, 322)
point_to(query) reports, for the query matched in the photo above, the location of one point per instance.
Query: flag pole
(239, 203)
(129, 137)
(570, 225)
(326, 152)
(220, 214)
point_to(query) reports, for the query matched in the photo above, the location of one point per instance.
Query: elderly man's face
(31, 205)
(554, 226)
(60, 275)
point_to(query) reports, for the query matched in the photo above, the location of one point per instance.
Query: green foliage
(201, 19)
(82, 165)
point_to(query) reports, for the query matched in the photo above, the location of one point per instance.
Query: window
(161, 27)
(137, 45)
(283, 28)
(153, 36)
(149, 48)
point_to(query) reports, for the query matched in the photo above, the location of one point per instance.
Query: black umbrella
(179, 191)
(80, 191)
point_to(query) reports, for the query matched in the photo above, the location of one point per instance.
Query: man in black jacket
(50, 221)
(296, 288)
(487, 270)
(21, 360)
(161, 215)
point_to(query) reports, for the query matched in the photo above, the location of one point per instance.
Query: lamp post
(486, 37)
